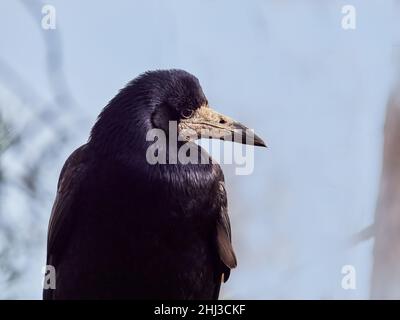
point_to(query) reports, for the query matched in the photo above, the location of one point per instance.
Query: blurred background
(323, 196)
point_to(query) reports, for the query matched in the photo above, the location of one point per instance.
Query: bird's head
(155, 98)
(180, 98)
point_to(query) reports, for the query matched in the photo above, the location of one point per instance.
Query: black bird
(123, 228)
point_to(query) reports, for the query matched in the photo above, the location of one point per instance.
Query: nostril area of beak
(222, 121)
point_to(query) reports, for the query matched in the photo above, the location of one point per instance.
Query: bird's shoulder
(72, 174)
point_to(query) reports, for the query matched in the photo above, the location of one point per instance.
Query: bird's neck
(121, 130)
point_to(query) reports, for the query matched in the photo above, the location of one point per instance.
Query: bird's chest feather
(171, 209)
(166, 193)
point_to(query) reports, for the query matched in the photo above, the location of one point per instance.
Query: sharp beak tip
(258, 142)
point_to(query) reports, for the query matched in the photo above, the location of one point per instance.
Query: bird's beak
(207, 123)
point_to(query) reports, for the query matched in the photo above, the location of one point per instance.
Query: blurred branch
(43, 115)
(365, 234)
(385, 283)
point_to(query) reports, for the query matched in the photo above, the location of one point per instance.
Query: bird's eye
(187, 113)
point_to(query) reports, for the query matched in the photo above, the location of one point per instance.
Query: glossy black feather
(123, 229)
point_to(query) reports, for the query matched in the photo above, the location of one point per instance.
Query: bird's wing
(71, 177)
(224, 242)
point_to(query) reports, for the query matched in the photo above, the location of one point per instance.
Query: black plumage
(122, 228)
